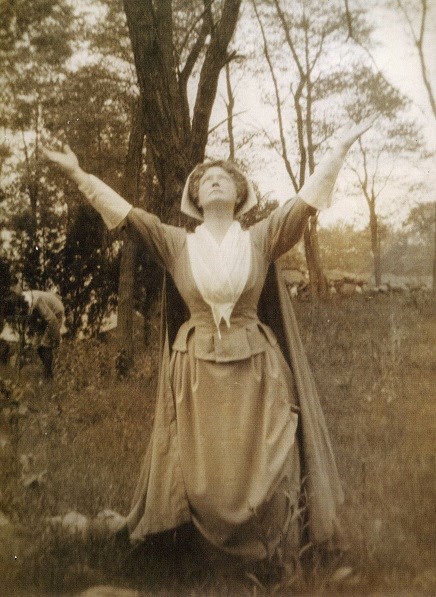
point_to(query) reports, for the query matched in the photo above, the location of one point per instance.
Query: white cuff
(111, 206)
(319, 202)
(317, 191)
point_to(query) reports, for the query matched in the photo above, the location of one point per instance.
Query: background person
(45, 315)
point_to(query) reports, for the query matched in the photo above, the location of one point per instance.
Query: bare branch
(191, 29)
(309, 105)
(318, 53)
(300, 133)
(349, 21)
(289, 39)
(224, 120)
(215, 59)
(230, 107)
(273, 143)
(364, 179)
(284, 153)
(246, 140)
(361, 45)
(199, 43)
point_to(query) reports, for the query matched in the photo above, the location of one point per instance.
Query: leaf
(341, 574)
(255, 580)
(33, 480)
(23, 410)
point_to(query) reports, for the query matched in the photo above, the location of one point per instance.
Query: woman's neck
(217, 219)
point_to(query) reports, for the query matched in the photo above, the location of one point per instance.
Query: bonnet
(187, 206)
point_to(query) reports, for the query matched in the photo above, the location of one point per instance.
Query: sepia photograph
(217, 298)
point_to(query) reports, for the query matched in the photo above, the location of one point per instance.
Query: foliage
(176, 136)
(70, 73)
(344, 248)
(5, 277)
(420, 223)
(54, 241)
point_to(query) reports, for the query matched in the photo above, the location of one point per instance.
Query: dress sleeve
(111, 206)
(162, 242)
(283, 228)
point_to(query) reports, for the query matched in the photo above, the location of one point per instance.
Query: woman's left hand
(351, 135)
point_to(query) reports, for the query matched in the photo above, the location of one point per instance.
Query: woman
(225, 453)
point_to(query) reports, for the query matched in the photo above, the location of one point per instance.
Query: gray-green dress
(234, 401)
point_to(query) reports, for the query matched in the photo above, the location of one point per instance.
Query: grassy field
(77, 444)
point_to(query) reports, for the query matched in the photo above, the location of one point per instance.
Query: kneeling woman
(238, 423)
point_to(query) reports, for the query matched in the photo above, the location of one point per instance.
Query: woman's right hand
(66, 160)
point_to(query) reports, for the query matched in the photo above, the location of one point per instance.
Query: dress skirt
(236, 430)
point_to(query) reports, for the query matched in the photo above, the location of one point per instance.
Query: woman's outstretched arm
(111, 206)
(318, 188)
(162, 242)
(285, 225)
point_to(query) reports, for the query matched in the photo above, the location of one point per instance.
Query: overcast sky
(398, 60)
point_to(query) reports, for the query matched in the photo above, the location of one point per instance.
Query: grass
(378, 380)
(87, 432)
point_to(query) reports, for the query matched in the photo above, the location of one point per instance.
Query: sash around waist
(238, 342)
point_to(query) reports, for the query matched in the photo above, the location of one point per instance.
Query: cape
(160, 503)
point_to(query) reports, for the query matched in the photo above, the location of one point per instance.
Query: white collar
(220, 270)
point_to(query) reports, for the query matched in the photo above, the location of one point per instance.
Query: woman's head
(206, 173)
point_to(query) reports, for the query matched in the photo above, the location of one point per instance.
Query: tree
(110, 41)
(67, 256)
(420, 223)
(167, 41)
(35, 43)
(410, 12)
(420, 229)
(306, 36)
(417, 10)
(167, 38)
(344, 248)
(132, 176)
(378, 157)
(164, 64)
(5, 277)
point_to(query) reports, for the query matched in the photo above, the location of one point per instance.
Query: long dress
(234, 397)
(224, 453)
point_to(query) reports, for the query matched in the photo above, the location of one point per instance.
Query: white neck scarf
(220, 270)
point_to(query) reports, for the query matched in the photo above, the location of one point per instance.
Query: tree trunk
(434, 255)
(176, 148)
(230, 107)
(126, 306)
(375, 244)
(176, 143)
(317, 278)
(127, 266)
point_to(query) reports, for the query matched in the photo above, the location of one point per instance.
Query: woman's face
(216, 185)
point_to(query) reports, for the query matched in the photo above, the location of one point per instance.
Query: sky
(396, 56)
(398, 59)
